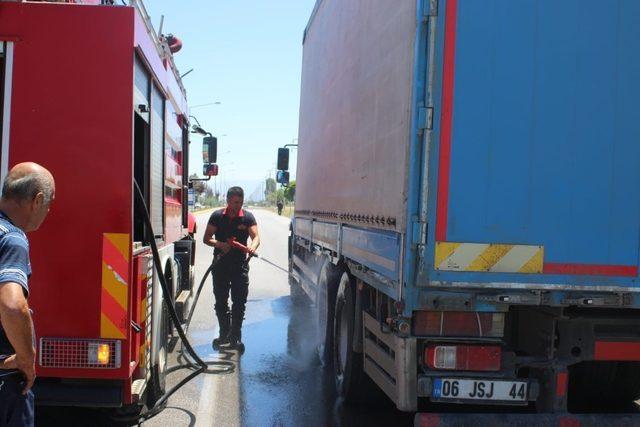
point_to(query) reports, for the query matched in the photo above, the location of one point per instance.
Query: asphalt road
(277, 382)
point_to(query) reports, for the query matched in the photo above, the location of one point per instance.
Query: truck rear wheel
(352, 384)
(297, 294)
(603, 385)
(628, 381)
(325, 306)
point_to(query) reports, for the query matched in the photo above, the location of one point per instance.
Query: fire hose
(193, 360)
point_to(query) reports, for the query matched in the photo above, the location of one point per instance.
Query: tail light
(79, 353)
(98, 354)
(458, 324)
(463, 357)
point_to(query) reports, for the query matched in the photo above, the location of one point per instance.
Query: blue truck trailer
(467, 218)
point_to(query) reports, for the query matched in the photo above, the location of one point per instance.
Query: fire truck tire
(157, 386)
(128, 415)
(325, 306)
(193, 246)
(352, 384)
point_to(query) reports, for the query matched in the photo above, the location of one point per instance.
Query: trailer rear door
(536, 153)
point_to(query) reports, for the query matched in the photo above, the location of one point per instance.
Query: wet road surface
(277, 382)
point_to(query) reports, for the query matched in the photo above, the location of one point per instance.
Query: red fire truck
(90, 91)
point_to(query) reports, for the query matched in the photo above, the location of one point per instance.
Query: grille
(74, 353)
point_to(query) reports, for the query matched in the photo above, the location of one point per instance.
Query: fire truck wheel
(325, 305)
(157, 386)
(193, 246)
(127, 415)
(352, 384)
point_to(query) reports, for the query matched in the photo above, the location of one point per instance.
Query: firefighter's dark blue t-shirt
(227, 227)
(15, 267)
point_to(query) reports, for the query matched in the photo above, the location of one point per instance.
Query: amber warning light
(99, 354)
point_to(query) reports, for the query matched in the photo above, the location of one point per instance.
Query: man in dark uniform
(27, 192)
(231, 272)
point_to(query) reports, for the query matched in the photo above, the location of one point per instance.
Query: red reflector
(562, 379)
(569, 422)
(458, 324)
(463, 357)
(617, 351)
(427, 420)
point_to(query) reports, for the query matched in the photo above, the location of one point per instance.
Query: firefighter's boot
(235, 338)
(223, 337)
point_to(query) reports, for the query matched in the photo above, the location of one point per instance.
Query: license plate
(465, 389)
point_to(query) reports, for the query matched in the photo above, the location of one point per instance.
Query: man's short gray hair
(25, 188)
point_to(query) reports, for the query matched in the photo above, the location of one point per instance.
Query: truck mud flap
(390, 362)
(525, 420)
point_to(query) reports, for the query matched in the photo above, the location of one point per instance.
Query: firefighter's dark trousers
(234, 278)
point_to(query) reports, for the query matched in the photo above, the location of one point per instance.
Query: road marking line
(206, 405)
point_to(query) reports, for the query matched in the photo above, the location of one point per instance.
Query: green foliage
(290, 191)
(199, 187)
(272, 198)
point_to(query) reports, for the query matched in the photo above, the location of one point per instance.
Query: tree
(199, 187)
(269, 187)
(290, 191)
(274, 196)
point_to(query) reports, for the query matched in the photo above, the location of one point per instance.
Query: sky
(247, 55)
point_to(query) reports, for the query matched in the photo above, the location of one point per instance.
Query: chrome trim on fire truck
(6, 109)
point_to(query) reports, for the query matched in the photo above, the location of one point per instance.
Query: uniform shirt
(14, 267)
(237, 227)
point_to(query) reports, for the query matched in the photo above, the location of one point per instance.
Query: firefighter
(231, 272)
(27, 192)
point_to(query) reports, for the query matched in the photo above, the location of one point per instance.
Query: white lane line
(204, 416)
(219, 403)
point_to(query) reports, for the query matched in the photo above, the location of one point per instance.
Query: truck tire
(604, 386)
(325, 309)
(628, 381)
(157, 386)
(297, 294)
(593, 385)
(352, 384)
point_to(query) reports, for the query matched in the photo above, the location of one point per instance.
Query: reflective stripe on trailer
(494, 258)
